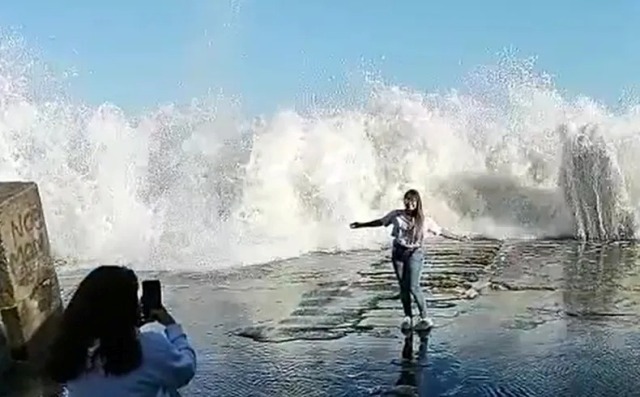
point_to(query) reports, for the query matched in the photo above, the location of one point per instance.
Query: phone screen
(151, 296)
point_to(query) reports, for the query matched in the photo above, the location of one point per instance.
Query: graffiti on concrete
(29, 243)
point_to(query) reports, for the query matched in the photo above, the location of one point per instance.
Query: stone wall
(30, 302)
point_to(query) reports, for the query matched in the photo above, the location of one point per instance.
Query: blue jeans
(407, 264)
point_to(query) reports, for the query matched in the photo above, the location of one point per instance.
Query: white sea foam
(200, 186)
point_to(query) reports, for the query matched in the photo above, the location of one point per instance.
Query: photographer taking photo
(100, 350)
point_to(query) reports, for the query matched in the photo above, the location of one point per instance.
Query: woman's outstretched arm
(452, 236)
(384, 221)
(374, 223)
(432, 227)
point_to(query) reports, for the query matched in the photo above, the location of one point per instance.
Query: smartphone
(151, 297)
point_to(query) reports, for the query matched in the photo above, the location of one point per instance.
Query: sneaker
(406, 324)
(424, 324)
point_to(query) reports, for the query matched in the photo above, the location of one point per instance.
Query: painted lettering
(29, 244)
(26, 222)
(23, 255)
(28, 251)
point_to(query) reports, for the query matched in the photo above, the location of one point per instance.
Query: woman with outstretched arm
(409, 228)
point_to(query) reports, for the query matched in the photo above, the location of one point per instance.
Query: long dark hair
(103, 312)
(417, 230)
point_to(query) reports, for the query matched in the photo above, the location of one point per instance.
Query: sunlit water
(566, 329)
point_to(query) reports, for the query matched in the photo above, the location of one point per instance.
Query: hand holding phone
(162, 316)
(152, 307)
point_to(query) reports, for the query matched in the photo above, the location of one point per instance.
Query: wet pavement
(544, 318)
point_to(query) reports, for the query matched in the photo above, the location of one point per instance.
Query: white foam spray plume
(593, 186)
(200, 187)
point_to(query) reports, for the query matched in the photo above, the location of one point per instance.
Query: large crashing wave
(201, 186)
(594, 186)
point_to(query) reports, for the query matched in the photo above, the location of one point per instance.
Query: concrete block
(30, 301)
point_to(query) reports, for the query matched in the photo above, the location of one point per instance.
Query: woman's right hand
(162, 316)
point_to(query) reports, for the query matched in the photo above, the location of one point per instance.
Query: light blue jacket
(168, 363)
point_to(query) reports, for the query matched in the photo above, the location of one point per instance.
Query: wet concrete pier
(541, 318)
(369, 302)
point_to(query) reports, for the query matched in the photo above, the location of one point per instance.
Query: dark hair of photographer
(104, 309)
(100, 349)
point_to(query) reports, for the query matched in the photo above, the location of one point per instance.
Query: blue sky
(137, 54)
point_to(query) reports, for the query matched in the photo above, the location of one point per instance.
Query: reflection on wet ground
(544, 318)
